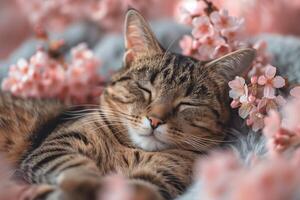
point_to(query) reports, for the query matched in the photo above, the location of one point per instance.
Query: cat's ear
(139, 39)
(233, 64)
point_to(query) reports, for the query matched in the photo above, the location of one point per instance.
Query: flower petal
(295, 92)
(257, 125)
(244, 97)
(215, 17)
(186, 44)
(272, 124)
(278, 82)
(261, 103)
(221, 50)
(280, 100)
(198, 21)
(270, 71)
(234, 104)
(238, 82)
(269, 92)
(245, 110)
(262, 80)
(234, 94)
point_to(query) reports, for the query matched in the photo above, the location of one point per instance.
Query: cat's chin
(147, 142)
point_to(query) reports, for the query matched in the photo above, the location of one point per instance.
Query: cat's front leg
(158, 175)
(73, 184)
(72, 175)
(77, 184)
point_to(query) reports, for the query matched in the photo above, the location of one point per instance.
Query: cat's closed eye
(146, 91)
(185, 105)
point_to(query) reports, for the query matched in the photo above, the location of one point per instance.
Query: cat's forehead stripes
(167, 68)
(172, 75)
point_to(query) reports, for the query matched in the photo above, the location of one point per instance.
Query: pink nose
(155, 122)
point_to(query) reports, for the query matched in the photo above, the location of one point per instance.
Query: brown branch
(210, 7)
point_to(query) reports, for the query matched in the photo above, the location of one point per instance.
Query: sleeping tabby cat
(160, 111)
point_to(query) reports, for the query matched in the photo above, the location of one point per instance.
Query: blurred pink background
(14, 27)
(18, 16)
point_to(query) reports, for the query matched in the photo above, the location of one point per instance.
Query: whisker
(79, 115)
(99, 120)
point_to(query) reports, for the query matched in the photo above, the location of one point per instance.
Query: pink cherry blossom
(185, 17)
(235, 103)
(202, 27)
(273, 21)
(214, 170)
(212, 41)
(254, 80)
(257, 68)
(232, 34)
(256, 119)
(282, 140)
(240, 93)
(272, 123)
(216, 33)
(273, 178)
(273, 103)
(58, 14)
(222, 20)
(238, 88)
(221, 50)
(260, 46)
(245, 109)
(189, 9)
(45, 77)
(207, 45)
(291, 116)
(295, 92)
(270, 81)
(282, 132)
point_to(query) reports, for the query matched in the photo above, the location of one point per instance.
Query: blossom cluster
(225, 177)
(269, 12)
(282, 130)
(109, 14)
(215, 33)
(258, 97)
(273, 177)
(44, 76)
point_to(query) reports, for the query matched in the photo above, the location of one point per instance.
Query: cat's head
(165, 100)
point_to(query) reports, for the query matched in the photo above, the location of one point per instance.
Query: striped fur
(71, 149)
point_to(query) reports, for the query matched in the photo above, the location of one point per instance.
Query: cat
(156, 116)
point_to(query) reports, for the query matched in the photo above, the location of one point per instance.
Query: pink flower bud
(254, 79)
(251, 99)
(234, 103)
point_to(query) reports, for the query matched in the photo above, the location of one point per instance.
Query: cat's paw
(72, 185)
(78, 185)
(142, 190)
